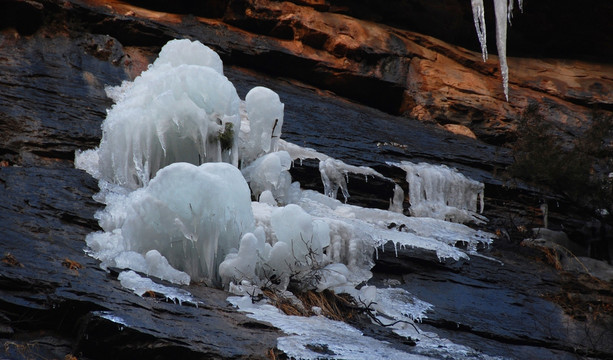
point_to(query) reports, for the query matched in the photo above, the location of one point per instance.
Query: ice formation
(168, 216)
(261, 125)
(303, 333)
(193, 215)
(503, 10)
(179, 110)
(178, 207)
(443, 193)
(270, 173)
(334, 176)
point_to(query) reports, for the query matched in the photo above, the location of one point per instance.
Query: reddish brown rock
(396, 70)
(405, 72)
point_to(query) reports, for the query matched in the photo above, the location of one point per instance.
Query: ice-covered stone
(443, 193)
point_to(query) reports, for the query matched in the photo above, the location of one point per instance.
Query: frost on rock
(443, 193)
(182, 109)
(140, 285)
(503, 10)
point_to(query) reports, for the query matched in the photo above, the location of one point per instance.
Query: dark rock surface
(55, 59)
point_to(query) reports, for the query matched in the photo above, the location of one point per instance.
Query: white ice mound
(260, 135)
(270, 173)
(440, 192)
(293, 226)
(183, 51)
(290, 243)
(179, 110)
(193, 215)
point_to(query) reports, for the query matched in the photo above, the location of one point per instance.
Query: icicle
(479, 18)
(510, 11)
(500, 10)
(503, 9)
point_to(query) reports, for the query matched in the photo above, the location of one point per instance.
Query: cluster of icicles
(503, 10)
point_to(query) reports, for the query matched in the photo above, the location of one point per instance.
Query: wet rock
(518, 295)
(25, 16)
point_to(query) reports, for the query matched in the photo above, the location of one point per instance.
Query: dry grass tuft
(333, 306)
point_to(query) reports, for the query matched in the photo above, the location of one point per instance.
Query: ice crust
(140, 285)
(393, 306)
(342, 340)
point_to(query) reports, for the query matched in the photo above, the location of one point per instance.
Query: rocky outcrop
(425, 78)
(392, 69)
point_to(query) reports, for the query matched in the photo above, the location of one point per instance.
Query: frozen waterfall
(197, 188)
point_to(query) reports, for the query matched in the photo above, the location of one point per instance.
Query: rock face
(57, 56)
(393, 69)
(423, 77)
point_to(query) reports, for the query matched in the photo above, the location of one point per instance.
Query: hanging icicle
(479, 17)
(503, 10)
